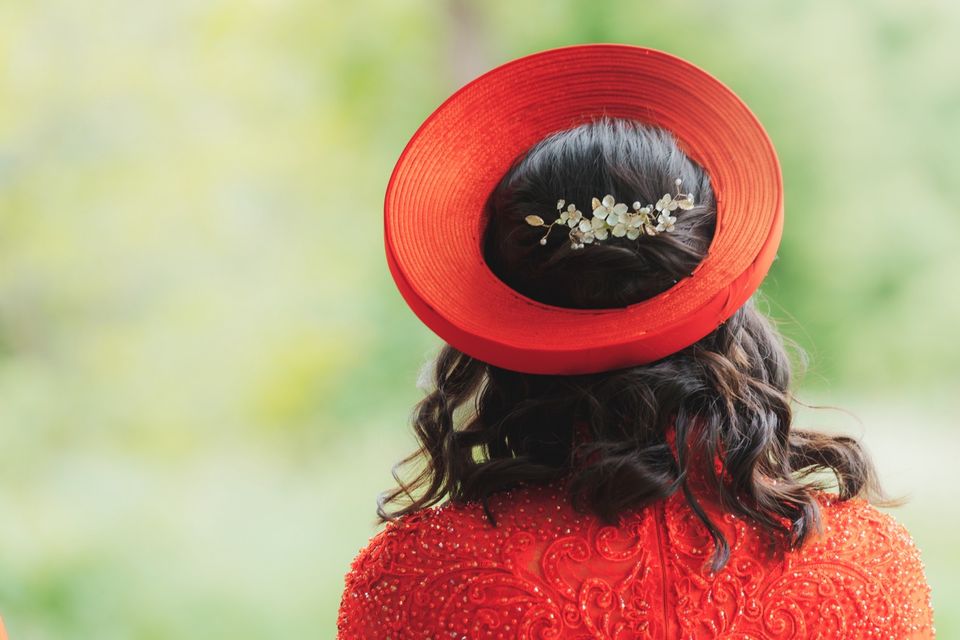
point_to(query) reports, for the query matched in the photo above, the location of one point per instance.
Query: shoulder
(381, 550)
(861, 528)
(450, 529)
(377, 573)
(411, 575)
(388, 578)
(862, 547)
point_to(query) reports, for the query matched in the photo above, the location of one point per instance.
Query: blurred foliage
(205, 370)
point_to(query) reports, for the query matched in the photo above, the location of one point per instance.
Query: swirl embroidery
(547, 572)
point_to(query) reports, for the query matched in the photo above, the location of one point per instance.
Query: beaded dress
(548, 572)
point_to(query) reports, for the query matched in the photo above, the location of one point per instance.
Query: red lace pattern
(547, 572)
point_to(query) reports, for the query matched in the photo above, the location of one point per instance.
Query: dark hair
(727, 396)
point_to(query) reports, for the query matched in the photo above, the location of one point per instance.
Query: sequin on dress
(548, 572)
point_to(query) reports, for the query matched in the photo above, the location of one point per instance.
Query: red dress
(548, 572)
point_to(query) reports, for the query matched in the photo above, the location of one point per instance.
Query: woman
(611, 417)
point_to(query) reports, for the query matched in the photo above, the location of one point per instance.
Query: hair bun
(628, 161)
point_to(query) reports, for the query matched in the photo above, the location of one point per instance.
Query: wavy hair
(727, 396)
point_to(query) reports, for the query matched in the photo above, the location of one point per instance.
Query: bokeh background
(205, 370)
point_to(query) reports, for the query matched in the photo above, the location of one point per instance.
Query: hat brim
(434, 207)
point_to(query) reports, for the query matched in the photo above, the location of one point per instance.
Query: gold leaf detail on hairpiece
(615, 218)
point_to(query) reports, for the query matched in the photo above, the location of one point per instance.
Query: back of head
(627, 437)
(624, 158)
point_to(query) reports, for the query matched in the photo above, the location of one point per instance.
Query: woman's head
(624, 158)
(483, 429)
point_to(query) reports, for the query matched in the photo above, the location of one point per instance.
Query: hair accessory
(460, 152)
(610, 217)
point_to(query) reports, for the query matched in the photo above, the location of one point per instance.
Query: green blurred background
(205, 369)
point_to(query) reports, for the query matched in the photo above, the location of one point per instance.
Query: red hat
(457, 156)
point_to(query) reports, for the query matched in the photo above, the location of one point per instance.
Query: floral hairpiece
(612, 217)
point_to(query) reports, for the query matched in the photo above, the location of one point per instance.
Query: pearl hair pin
(610, 217)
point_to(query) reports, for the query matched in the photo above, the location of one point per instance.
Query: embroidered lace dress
(548, 572)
